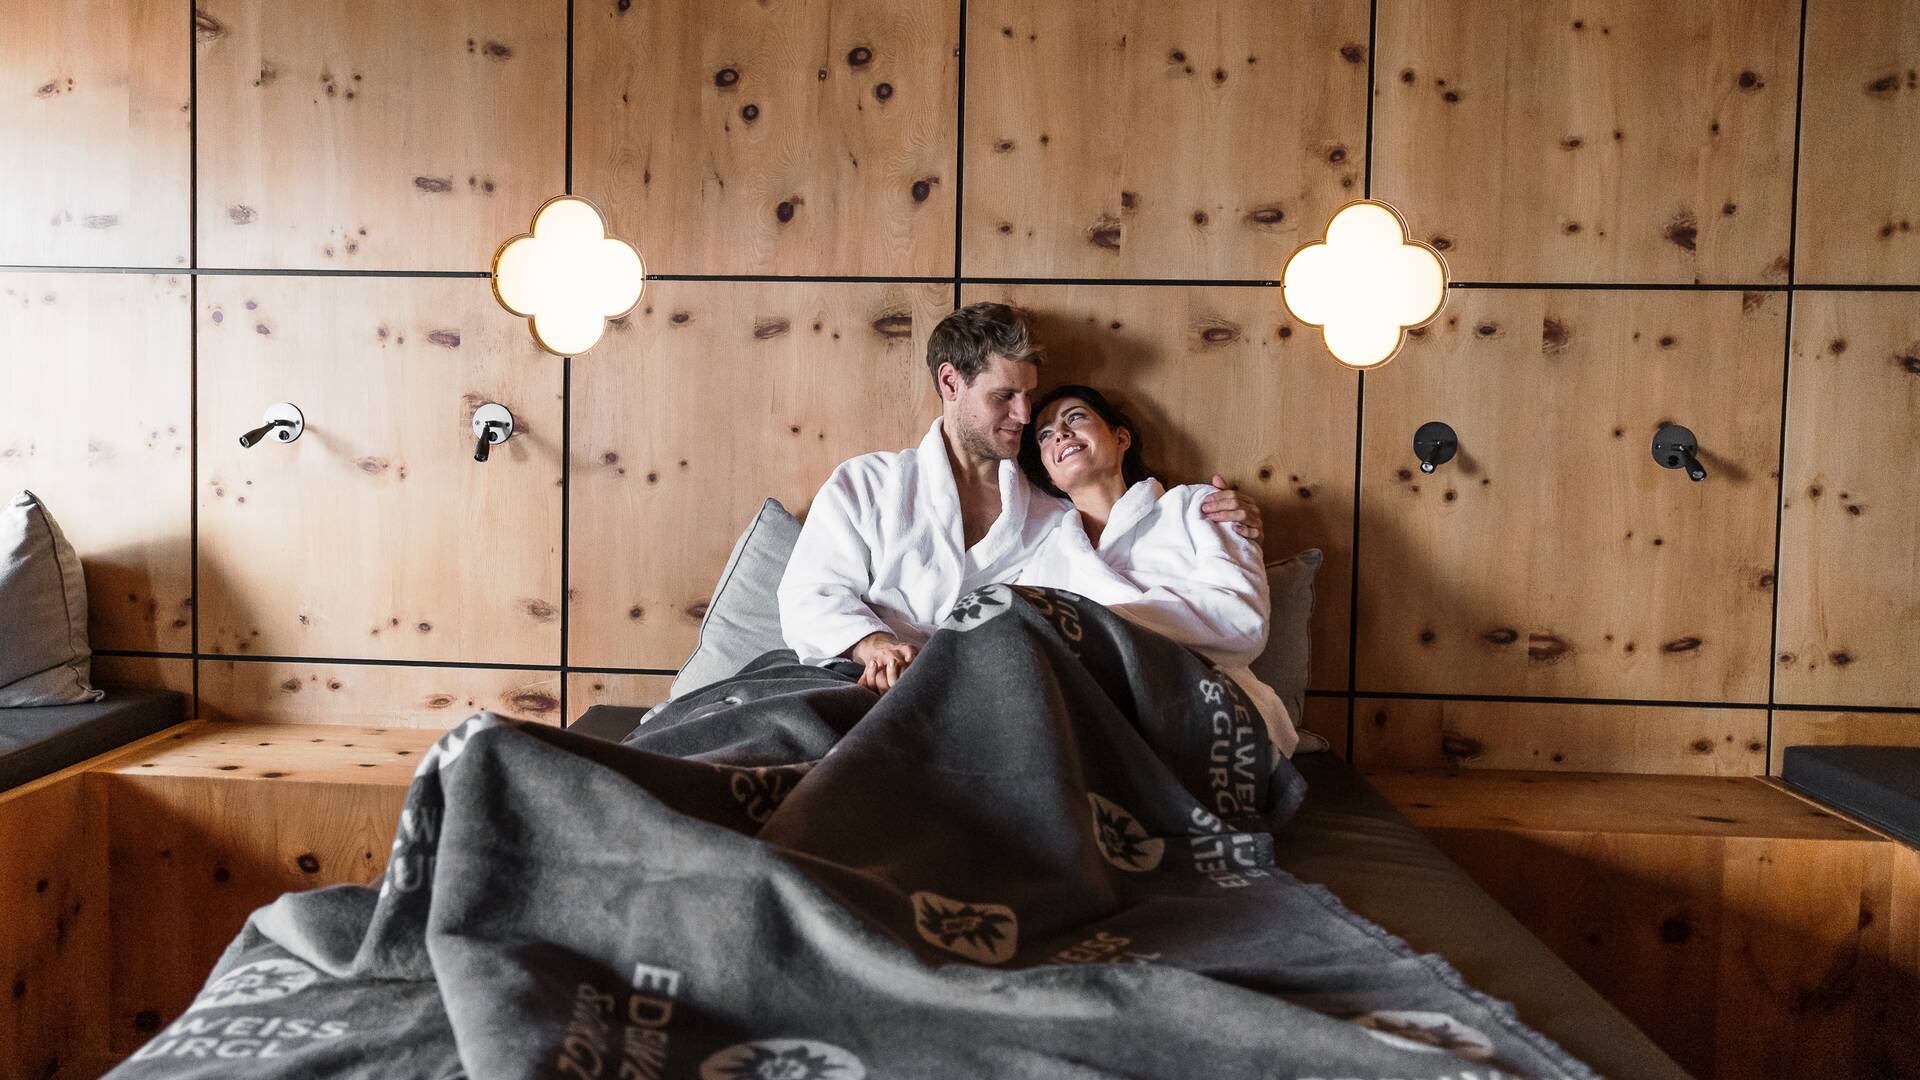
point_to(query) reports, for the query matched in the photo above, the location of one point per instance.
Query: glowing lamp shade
(1365, 284)
(566, 276)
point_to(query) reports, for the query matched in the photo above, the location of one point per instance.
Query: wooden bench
(1749, 932)
(125, 877)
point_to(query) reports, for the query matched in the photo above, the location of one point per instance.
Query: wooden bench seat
(1748, 931)
(127, 875)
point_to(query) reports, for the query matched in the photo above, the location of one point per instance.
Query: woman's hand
(885, 659)
(1229, 507)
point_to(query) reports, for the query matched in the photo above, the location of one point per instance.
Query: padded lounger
(1350, 839)
(35, 742)
(1879, 785)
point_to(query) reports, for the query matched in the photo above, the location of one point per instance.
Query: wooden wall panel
(1604, 140)
(1553, 556)
(1128, 138)
(147, 672)
(1798, 727)
(1859, 133)
(376, 534)
(587, 689)
(708, 399)
(1849, 555)
(96, 415)
(807, 137)
(1412, 733)
(94, 138)
(1327, 717)
(53, 937)
(352, 134)
(1221, 381)
(249, 691)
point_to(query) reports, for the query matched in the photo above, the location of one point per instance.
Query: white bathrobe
(1163, 566)
(883, 549)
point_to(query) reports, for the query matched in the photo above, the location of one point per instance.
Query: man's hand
(885, 658)
(1228, 506)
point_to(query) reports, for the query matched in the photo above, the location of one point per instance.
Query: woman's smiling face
(1076, 446)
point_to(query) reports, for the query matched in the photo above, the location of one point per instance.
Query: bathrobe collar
(943, 494)
(1130, 511)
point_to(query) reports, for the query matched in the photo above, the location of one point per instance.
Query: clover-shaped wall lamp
(1365, 284)
(566, 276)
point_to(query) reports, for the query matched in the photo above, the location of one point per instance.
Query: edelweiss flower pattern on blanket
(783, 1059)
(1124, 843)
(1429, 1031)
(987, 933)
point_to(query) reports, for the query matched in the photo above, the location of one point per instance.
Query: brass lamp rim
(533, 319)
(1406, 237)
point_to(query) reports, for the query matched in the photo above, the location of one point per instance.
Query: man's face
(989, 415)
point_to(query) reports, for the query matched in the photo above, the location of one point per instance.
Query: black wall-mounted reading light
(1674, 447)
(1435, 444)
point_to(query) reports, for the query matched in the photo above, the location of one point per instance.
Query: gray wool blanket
(1046, 852)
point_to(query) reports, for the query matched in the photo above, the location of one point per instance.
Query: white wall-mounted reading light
(1365, 284)
(566, 276)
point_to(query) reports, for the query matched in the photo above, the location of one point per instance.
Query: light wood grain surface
(95, 138)
(587, 689)
(710, 398)
(1554, 556)
(338, 134)
(1849, 555)
(96, 414)
(1127, 138)
(1558, 737)
(808, 137)
(1859, 216)
(413, 696)
(376, 534)
(1601, 141)
(1807, 727)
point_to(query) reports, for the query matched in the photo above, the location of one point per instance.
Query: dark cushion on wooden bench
(1879, 785)
(38, 741)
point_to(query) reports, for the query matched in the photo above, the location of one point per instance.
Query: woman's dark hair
(1133, 465)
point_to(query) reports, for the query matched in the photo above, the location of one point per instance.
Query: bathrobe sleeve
(823, 611)
(1218, 604)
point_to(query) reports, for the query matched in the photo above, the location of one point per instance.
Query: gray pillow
(743, 616)
(44, 658)
(1287, 662)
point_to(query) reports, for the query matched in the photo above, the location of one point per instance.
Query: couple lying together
(1007, 488)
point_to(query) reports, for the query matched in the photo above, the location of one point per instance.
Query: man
(894, 539)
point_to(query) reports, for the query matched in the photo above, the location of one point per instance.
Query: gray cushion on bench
(48, 738)
(1350, 839)
(1879, 785)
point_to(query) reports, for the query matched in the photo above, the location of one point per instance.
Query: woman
(1144, 551)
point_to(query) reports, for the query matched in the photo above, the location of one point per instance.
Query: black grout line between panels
(193, 352)
(1786, 382)
(908, 279)
(1359, 423)
(566, 421)
(960, 158)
